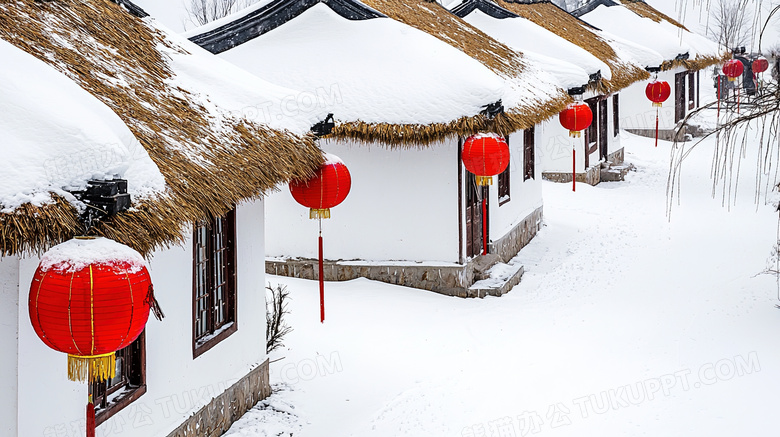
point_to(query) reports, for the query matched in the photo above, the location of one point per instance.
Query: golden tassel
(732, 79)
(575, 133)
(484, 180)
(95, 368)
(315, 213)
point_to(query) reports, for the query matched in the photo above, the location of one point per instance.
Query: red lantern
(576, 117)
(733, 69)
(760, 65)
(485, 155)
(326, 189)
(658, 91)
(89, 298)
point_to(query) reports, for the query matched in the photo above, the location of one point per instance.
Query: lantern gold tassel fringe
(315, 213)
(575, 133)
(484, 180)
(91, 368)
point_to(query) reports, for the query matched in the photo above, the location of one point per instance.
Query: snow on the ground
(626, 323)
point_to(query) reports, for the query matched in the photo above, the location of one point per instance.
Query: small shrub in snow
(276, 328)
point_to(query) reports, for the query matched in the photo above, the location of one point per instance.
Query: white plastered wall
(177, 385)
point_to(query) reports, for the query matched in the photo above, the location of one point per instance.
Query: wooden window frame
(133, 382)
(504, 182)
(691, 91)
(230, 324)
(616, 115)
(529, 153)
(680, 96)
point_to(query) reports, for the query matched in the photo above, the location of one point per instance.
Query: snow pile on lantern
(89, 298)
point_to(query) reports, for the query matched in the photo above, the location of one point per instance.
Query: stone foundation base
(592, 176)
(215, 419)
(451, 280)
(617, 157)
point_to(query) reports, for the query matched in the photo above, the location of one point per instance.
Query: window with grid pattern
(214, 282)
(128, 384)
(503, 183)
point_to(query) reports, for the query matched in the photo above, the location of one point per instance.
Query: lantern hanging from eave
(733, 69)
(576, 117)
(328, 187)
(658, 91)
(760, 65)
(89, 298)
(485, 155)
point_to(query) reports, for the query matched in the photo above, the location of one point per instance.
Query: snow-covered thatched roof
(570, 64)
(638, 22)
(627, 61)
(387, 82)
(101, 93)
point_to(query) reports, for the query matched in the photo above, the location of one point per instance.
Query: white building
(565, 45)
(82, 102)
(684, 54)
(404, 101)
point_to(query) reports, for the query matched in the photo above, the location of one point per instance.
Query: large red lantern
(760, 65)
(485, 155)
(657, 91)
(328, 187)
(733, 69)
(89, 298)
(576, 117)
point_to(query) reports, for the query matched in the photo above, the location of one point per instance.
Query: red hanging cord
(656, 126)
(322, 279)
(90, 417)
(574, 168)
(484, 225)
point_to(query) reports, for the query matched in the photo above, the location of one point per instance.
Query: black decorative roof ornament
(271, 16)
(103, 198)
(492, 110)
(682, 56)
(132, 8)
(590, 6)
(537, 2)
(595, 77)
(576, 91)
(485, 6)
(325, 127)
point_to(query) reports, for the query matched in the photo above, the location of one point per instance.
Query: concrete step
(501, 279)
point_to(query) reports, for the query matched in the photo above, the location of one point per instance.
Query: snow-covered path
(625, 324)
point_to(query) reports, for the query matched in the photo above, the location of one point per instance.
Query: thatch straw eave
(211, 159)
(405, 136)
